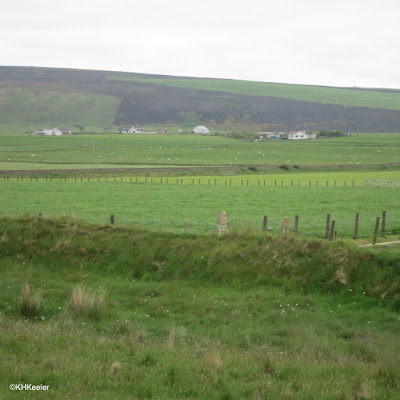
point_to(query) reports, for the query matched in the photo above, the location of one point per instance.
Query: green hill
(84, 100)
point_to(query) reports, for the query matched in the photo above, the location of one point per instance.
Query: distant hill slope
(32, 97)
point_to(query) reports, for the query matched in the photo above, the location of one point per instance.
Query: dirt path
(197, 168)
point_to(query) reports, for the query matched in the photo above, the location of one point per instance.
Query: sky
(321, 42)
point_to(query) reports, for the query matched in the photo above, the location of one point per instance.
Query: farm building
(53, 132)
(269, 135)
(129, 129)
(301, 135)
(202, 130)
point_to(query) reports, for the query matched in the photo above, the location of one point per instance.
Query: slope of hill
(32, 97)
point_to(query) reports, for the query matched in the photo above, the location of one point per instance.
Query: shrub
(29, 304)
(296, 166)
(285, 167)
(86, 303)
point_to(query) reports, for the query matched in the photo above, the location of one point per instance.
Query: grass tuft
(29, 303)
(86, 303)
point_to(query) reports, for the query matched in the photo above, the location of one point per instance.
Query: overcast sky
(325, 42)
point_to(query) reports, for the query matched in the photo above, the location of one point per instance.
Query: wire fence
(330, 229)
(207, 181)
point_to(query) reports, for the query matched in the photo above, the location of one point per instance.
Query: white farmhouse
(202, 130)
(301, 135)
(50, 132)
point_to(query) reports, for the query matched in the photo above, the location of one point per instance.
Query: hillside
(32, 97)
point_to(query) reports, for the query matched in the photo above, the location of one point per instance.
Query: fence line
(330, 232)
(205, 181)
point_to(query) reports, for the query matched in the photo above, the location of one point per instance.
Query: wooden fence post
(376, 230)
(222, 222)
(285, 225)
(383, 222)
(112, 219)
(328, 220)
(265, 222)
(296, 224)
(356, 226)
(332, 231)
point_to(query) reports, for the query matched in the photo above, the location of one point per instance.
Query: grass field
(123, 150)
(151, 308)
(183, 316)
(318, 94)
(166, 206)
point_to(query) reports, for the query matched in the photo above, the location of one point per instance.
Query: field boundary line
(379, 244)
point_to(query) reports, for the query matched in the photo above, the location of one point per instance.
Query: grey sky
(327, 42)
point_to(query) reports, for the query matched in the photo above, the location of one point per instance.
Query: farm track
(198, 168)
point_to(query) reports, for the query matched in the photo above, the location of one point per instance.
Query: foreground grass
(231, 317)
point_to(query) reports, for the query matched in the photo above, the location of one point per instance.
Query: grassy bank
(232, 317)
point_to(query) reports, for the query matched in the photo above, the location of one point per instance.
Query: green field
(187, 150)
(159, 306)
(165, 202)
(166, 206)
(181, 316)
(319, 94)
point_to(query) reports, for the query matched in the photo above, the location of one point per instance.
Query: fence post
(296, 224)
(265, 222)
(328, 220)
(376, 230)
(383, 222)
(356, 226)
(285, 225)
(112, 219)
(184, 226)
(222, 222)
(332, 231)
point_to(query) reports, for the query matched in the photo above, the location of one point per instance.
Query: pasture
(195, 317)
(119, 151)
(159, 306)
(172, 203)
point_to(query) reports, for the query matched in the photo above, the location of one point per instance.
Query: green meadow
(182, 316)
(167, 206)
(159, 306)
(111, 150)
